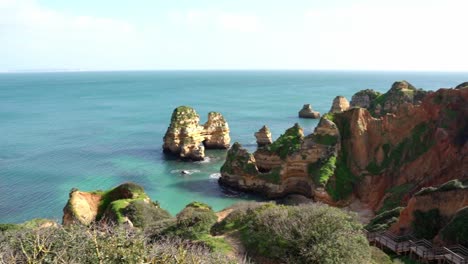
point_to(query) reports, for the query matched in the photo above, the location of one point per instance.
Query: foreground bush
(298, 234)
(80, 244)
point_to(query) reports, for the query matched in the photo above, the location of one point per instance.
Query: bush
(142, 213)
(98, 244)
(426, 224)
(456, 231)
(299, 234)
(287, 143)
(383, 220)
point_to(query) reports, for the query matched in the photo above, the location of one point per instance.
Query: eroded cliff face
(381, 159)
(186, 138)
(447, 203)
(290, 165)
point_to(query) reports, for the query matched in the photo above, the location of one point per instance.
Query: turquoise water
(95, 130)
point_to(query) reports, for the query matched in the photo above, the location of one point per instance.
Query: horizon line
(224, 70)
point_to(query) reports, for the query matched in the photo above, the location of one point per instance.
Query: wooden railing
(421, 249)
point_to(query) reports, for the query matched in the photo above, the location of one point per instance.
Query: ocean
(96, 130)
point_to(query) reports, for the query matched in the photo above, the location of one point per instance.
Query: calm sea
(95, 130)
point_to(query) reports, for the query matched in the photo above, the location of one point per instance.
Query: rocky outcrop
(437, 213)
(462, 85)
(290, 165)
(364, 98)
(216, 132)
(263, 137)
(447, 201)
(340, 104)
(125, 204)
(186, 138)
(380, 160)
(307, 112)
(401, 92)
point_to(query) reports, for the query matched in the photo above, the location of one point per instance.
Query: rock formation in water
(418, 140)
(290, 165)
(125, 204)
(340, 104)
(263, 137)
(307, 112)
(186, 138)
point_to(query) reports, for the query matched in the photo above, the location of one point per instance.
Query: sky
(398, 35)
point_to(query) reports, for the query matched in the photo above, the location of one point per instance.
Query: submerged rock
(340, 104)
(186, 138)
(263, 137)
(307, 112)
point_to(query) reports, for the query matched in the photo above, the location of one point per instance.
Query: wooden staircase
(420, 249)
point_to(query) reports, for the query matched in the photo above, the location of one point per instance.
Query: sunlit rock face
(187, 139)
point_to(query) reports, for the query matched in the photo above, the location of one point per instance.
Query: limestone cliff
(186, 138)
(380, 160)
(126, 203)
(263, 137)
(290, 165)
(401, 92)
(340, 104)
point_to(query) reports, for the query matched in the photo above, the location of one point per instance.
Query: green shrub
(325, 139)
(395, 196)
(300, 234)
(384, 220)
(448, 186)
(272, 176)
(426, 224)
(342, 185)
(79, 244)
(456, 231)
(322, 172)
(287, 143)
(379, 257)
(143, 213)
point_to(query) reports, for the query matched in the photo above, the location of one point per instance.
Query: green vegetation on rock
(341, 186)
(113, 202)
(325, 139)
(448, 186)
(426, 224)
(456, 231)
(273, 176)
(287, 143)
(395, 196)
(322, 172)
(384, 220)
(408, 150)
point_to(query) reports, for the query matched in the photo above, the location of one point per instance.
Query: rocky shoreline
(378, 150)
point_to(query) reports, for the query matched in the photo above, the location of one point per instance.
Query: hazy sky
(233, 34)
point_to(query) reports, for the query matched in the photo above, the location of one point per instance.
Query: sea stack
(308, 112)
(187, 139)
(263, 137)
(340, 104)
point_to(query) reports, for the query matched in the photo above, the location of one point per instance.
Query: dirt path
(238, 250)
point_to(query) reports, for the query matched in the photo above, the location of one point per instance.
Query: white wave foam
(215, 175)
